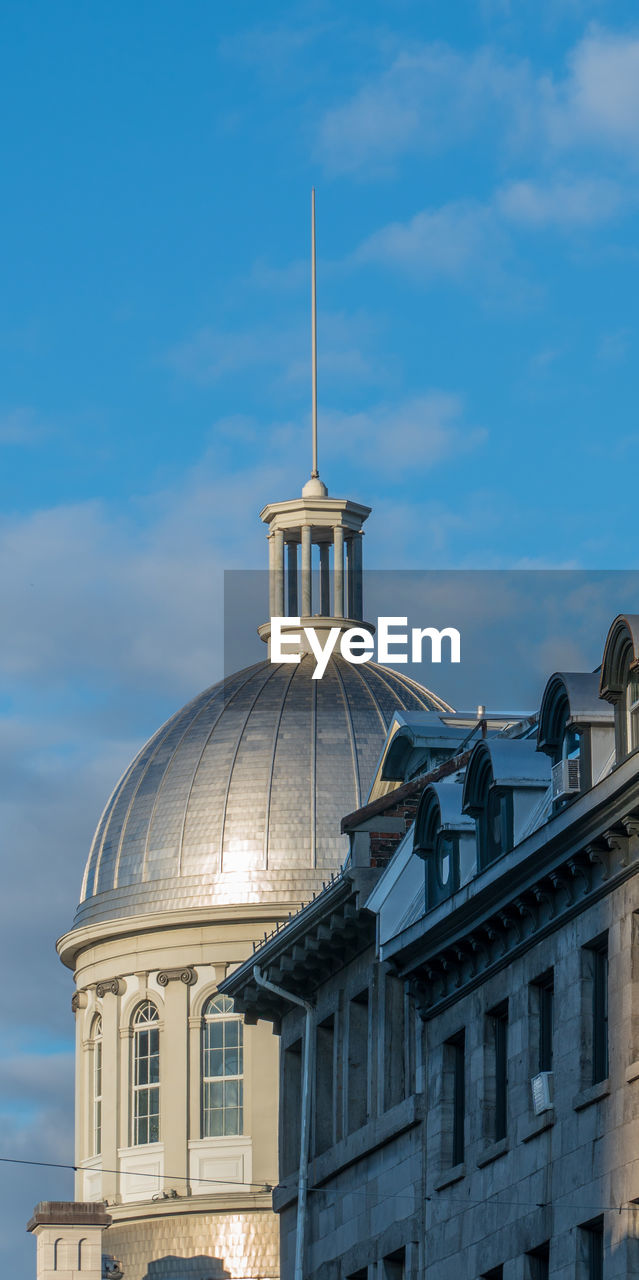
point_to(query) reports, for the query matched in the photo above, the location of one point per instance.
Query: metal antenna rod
(315, 471)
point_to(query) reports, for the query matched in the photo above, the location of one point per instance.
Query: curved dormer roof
(622, 643)
(440, 808)
(574, 692)
(509, 762)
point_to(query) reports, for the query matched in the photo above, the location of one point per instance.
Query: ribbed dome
(238, 797)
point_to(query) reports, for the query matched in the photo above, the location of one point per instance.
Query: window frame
(224, 1017)
(148, 1089)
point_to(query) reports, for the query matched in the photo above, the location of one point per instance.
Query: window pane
(231, 1093)
(231, 1063)
(216, 1034)
(232, 1030)
(232, 1122)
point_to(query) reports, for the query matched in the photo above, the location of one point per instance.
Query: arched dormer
(576, 731)
(445, 838)
(620, 681)
(505, 780)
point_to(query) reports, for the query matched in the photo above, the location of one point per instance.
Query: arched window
(145, 1102)
(495, 825)
(222, 1069)
(632, 709)
(96, 1086)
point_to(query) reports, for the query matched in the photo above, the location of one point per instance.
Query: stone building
(468, 1022)
(227, 820)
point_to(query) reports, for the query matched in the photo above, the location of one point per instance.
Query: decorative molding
(79, 1000)
(113, 986)
(437, 979)
(187, 974)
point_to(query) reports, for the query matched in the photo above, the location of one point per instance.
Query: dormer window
(571, 744)
(445, 839)
(496, 832)
(444, 858)
(620, 682)
(632, 710)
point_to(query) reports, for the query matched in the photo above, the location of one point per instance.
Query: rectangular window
(497, 1073)
(455, 1098)
(324, 1084)
(222, 1074)
(595, 1010)
(291, 1104)
(538, 1263)
(600, 1012)
(592, 1250)
(358, 1073)
(394, 1032)
(541, 1005)
(546, 1011)
(394, 1265)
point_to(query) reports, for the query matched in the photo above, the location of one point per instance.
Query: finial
(314, 487)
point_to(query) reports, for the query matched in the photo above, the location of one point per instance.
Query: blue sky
(477, 175)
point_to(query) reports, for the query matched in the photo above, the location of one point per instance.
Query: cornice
(443, 970)
(71, 945)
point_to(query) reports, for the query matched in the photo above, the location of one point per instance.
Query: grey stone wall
(556, 1172)
(365, 1200)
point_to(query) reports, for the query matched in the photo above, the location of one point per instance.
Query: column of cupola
(291, 572)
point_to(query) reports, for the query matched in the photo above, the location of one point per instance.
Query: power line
(358, 1191)
(130, 1173)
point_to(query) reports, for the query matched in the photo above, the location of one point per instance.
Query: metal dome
(238, 797)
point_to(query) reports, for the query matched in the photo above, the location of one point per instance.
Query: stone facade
(485, 1122)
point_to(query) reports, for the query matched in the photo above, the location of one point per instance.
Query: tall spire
(314, 488)
(315, 471)
(315, 542)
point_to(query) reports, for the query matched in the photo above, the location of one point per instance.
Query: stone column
(278, 597)
(111, 1084)
(325, 585)
(271, 575)
(174, 1102)
(292, 579)
(306, 571)
(358, 594)
(350, 579)
(338, 571)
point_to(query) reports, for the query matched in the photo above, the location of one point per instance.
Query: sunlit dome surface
(238, 797)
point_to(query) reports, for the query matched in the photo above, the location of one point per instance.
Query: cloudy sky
(477, 174)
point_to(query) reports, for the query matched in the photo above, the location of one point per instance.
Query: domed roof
(238, 797)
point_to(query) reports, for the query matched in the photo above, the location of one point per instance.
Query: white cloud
(416, 434)
(428, 97)
(21, 426)
(562, 203)
(437, 242)
(468, 241)
(598, 99)
(348, 351)
(431, 96)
